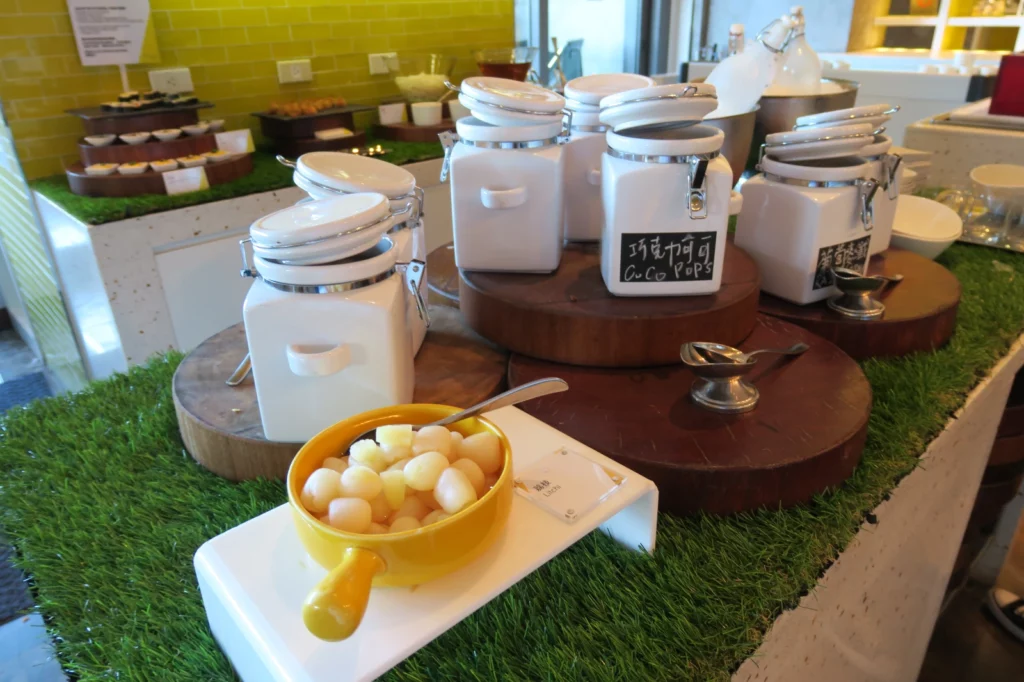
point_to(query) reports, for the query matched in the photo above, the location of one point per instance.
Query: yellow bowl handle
(334, 608)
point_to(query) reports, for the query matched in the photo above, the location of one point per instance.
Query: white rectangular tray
(253, 578)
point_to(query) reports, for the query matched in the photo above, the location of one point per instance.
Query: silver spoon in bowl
(733, 355)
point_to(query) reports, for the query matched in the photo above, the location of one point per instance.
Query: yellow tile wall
(231, 47)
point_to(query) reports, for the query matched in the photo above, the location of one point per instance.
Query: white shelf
(906, 20)
(1010, 21)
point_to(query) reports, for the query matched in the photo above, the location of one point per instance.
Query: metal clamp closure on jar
(696, 177)
(890, 164)
(416, 195)
(785, 43)
(867, 187)
(448, 140)
(413, 274)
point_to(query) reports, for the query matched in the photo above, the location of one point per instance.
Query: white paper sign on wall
(185, 180)
(119, 32)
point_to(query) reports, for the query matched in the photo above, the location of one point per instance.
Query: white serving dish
(216, 125)
(503, 102)
(323, 231)
(643, 195)
(133, 168)
(426, 113)
(135, 138)
(163, 165)
(797, 232)
(658, 105)
(192, 162)
(328, 341)
(253, 584)
(507, 204)
(101, 169)
(100, 140)
(195, 129)
(925, 226)
(167, 134)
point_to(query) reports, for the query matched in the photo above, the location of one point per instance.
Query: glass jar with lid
(506, 166)
(665, 189)
(584, 214)
(325, 319)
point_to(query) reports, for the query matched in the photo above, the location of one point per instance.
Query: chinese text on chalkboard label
(852, 254)
(667, 257)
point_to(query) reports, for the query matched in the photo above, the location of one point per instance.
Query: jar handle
(335, 607)
(594, 177)
(503, 198)
(317, 361)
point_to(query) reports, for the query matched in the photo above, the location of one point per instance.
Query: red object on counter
(1008, 95)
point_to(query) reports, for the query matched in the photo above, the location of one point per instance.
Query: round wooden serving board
(804, 436)
(221, 425)
(569, 316)
(443, 276)
(150, 182)
(920, 311)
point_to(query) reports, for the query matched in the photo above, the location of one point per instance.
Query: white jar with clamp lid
(801, 218)
(506, 165)
(323, 175)
(325, 319)
(666, 190)
(584, 214)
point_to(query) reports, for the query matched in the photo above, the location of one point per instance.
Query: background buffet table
(868, 562)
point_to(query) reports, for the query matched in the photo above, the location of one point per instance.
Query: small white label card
(567, 484)
(235, 141)
(185, 180)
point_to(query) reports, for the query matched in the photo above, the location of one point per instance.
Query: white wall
(828, 21)
(600, 23)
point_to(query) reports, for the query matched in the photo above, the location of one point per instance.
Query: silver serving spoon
(735, 356)
(534, 389)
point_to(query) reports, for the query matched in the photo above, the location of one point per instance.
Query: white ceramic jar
(801, 218)
(327, 339)
(584, 215)
(887, 170)
(506, 166)
(324, 175)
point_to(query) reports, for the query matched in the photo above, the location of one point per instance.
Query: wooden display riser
(569, 316)
(805, 435)
(151, 150)
(276, 126)
(920, 311)
(96, 121)
(221, 425)
(410, 132)
(150, 182)
(293, 148)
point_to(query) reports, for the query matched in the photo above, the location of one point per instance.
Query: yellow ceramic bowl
(334, 608)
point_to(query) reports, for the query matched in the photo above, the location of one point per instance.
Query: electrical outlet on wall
(171, 80)
(379, 63)
(294, 71)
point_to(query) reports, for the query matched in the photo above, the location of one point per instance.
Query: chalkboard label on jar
(667, 256)
(852, 255)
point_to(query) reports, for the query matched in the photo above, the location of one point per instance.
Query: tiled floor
(968, 645)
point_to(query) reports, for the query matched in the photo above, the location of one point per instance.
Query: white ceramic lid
(323, 231)
(818, 143)
(880, 145)
(678, 141)
(505, 102)
(834, 169)
(353, 173)
(590, 90)
(826, 149)
(309, 188)
(851, 115)
(474, 130)
(675, 103)
(373, 261)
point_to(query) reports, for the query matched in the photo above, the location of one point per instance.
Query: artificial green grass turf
(106, 509)
(267, 174)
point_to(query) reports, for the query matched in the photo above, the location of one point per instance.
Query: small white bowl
(196, 129)
(135, 138)
(192, 162)
(167, 134)
(217, 155)
(924, 226)
(101, 169)
(390, 114)
(426, 113)
(216, 125)
(163, 165)
(133, 168)
(100, 140)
